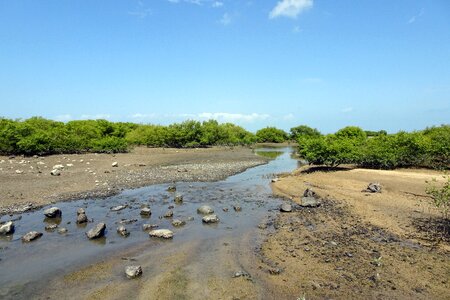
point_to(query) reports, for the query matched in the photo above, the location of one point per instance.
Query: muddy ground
(26, 182)
(358, 245)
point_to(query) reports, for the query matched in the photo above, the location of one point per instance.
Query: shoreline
(92, 175)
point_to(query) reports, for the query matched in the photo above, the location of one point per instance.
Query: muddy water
(198, 262)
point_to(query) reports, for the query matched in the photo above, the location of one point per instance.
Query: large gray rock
(81, 211)
(161, 233)
(31, 236)
(97, 232)
(133, 271)
(310, 202)
(309, 193)
(146, 211)
(205, 210)
(210, 219)
(178, 223)
(53, 212)
(286, 207)
(7, 228)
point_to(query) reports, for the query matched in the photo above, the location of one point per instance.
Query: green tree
(271, 135)
(304, 131)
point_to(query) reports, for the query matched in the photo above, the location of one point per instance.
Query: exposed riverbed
(202, 258)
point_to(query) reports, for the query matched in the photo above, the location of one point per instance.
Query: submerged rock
(133, 271)
(237, 208)
(310, 202)
(205, 210)
(7, 228)
(123, 231)
(128, 221)
(62, 230)
(210, 219)
(178, 223)
(97, 232)
(53, 212)
(168, 214)
(146, 227)
(178, 198)
(51, 227)
(82, 218)
(171, 188)
(31, 236)
(286, 207)
(118, 207)
(161, 233)
(146, 211)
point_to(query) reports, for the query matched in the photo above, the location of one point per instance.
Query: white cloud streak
(290, 8)
(226, 19)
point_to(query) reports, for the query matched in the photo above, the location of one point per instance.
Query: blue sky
(375, 64)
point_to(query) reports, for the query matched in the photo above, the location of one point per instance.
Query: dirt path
(26, 182)
(359, 245)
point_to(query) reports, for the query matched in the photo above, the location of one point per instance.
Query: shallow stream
(24, 267)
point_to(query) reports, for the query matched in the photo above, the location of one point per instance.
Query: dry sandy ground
(359, 245)
(26, 182)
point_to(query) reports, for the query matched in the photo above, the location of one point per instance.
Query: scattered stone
(178, 223)
(172, 188)
(127, 221)
(309, 193)
(275, 179)
(168, 214)
(133, 271)
(225, 209)
(53, 212)
(178, 198)
(58, 167)
(146, 211)
(146, 227)
(161, 233)
(69, 165)
(373, 187)
(19, 172)
(81, 211)
(118, 207)
(210, 219)
(123, 231)
(242, 274)
(62, 230)
(310, 202)
(286, 207)
(115, 164)
(262, 225)
(31, 236)
(237, 208)
(51, 227)
(205, 210)
(55, 172)
(274, 271)
(97, 232)
(82, 218)
(7, 228)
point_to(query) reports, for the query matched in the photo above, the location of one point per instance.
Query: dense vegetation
(352, 145)
(271, 135)
(41, 136)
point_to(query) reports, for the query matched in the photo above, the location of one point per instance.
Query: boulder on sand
(373, 187)
(133, 271)
(286, 207)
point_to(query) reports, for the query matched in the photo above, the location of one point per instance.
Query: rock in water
(168, 214)
(171, 188)
(81, 211)
(178, 223)
(146, 227)
(96, 232)
(237, 208)
(309, 193)
(82, 218)
(286, 207)
(62, 230)
(123, 231)
(118, 207)
(205, 210)
(7, 228)
(133, 271)
(210, 219)
(373, 187)
(53, 212)
(310, 202)
(178, 198)
(161, 233)
(51, 227)
(31, 236)
(146, 211)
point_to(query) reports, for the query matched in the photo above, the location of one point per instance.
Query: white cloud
(290, 8)
(217, 4)
(414, 18)
(95, 117)
(288, 117)
(296, 29)
(233, 117)
(141, 11)
(226, 19)
(140, 116)
(347, 109)
(64, 118)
